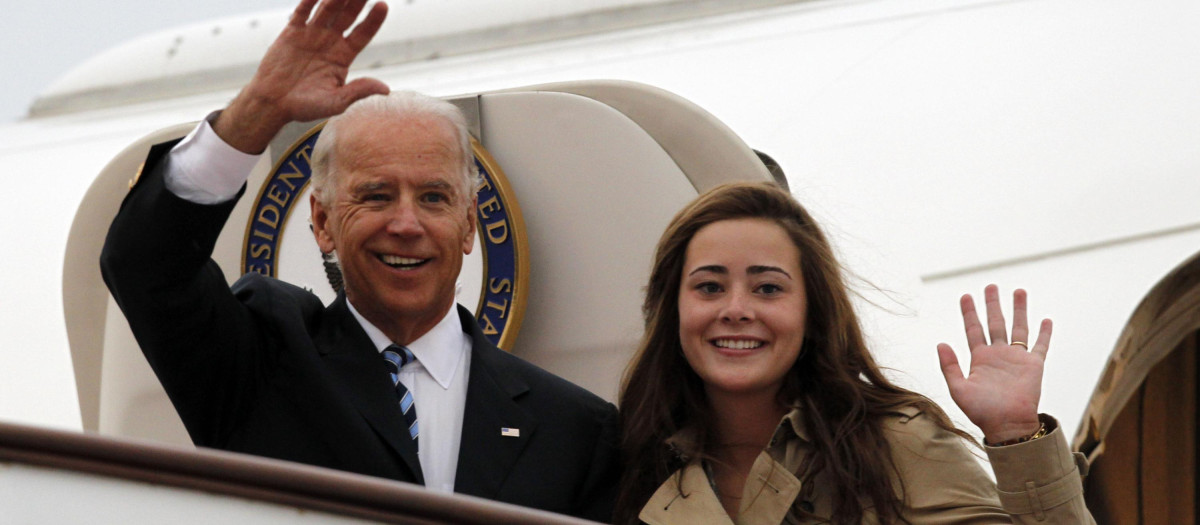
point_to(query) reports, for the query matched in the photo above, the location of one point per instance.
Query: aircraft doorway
(1140, 430)
(1147, 473)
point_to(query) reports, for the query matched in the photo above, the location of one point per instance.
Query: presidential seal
(494, 279)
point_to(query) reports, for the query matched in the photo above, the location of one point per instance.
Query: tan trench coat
(943, 482)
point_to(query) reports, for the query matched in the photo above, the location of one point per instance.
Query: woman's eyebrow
(713, 268)
(758, 269)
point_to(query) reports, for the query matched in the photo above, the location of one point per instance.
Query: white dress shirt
(438, 382)
(204, 169)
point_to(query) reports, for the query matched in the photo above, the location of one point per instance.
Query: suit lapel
(486, 454)
(360, 374)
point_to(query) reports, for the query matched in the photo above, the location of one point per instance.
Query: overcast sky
(43, 40)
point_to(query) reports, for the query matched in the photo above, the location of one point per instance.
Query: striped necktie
(397, 356)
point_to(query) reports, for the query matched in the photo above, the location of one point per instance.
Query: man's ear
(469, 238)
(320, 224)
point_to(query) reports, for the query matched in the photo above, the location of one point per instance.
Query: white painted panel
(30, 494)
(596, 192)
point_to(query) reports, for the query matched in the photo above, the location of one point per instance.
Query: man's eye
(376, 197)
(434, 198)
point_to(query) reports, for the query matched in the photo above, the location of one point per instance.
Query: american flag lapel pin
(510, 432)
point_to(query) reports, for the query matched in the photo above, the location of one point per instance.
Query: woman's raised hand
(1000, 394)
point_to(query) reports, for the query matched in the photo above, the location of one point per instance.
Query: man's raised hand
(302, 77)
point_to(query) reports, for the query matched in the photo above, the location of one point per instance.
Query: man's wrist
(249, 123)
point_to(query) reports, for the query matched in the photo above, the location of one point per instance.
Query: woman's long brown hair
(836, 383)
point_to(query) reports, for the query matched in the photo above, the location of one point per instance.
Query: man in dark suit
(389, 380)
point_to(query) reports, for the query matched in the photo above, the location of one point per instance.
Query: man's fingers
(300, 15)
(365, 31)
(323, 16)
(359, 89)
(995, 316)
(1020, 330)
(345, 17)
(328, 13)
(1042, 346)
(971, 323)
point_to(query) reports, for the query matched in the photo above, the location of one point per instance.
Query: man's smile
(402, 263)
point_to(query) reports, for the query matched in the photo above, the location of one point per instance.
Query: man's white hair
(397, 105)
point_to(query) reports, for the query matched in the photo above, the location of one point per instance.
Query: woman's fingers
(1042, 346)
(971, 324)
(950, 368)
(1020, 329)
(995, 315)
(995, 322)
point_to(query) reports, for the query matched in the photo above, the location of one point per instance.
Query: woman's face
(742, 306)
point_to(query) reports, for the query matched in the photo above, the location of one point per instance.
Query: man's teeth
(737, 344)
(395, 260)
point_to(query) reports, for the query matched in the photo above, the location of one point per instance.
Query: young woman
(754, 399)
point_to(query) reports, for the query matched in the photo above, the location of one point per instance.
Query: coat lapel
(359, 372)
(487, 453)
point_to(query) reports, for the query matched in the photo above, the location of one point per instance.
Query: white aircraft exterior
(944, 145)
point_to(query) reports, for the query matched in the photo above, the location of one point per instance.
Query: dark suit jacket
(266, 369)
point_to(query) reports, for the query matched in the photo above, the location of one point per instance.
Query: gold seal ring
(1022, 345)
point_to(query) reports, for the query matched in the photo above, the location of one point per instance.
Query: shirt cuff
(1038, 475)
(203, 169)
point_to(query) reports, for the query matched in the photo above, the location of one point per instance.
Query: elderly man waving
(389, 380)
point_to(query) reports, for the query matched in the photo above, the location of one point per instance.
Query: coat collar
(436, 350)
(688, 496)
(770, 491)
(685, 441)
(792, 425)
